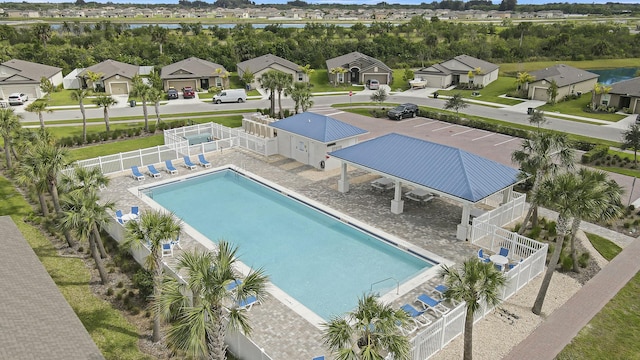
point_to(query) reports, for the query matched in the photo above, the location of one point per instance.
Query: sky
(352, 2)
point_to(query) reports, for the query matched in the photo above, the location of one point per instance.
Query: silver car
(18, 99)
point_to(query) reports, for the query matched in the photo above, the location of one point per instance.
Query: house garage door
(179, 84)
(118, 88)
(434, 80)
(540, 94)
(29, 90)
(382, 78)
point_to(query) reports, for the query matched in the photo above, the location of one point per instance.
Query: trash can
(132, 103)
(435, 95)
(529, 111)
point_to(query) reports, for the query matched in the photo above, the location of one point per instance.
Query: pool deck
(282, 333)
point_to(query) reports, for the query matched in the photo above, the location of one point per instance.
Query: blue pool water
(610, 76)
(320, 261)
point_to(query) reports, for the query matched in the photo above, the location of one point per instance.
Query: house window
(605, 98)
(340, 77)
(300, 77)
(218, 82)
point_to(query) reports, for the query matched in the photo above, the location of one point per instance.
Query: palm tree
(159, 35)
(83, 214)
(38, 107)
(155, 95)
(269, 81)
(79, 95)
(300, 93)
(335, 72)
(141, 90)
(283, 84)
(379, 96)
(307, 71)
(223, 75)
(598, 89)
(542, 156)
(552, 92)
(28, 175)
(522, 79)
(9, 124)
(152, 229)
(105, 101)
(601, 201)
(456, 102)
(474, 283)
(537, 118)
(371, 331)
(247, 78)
(200, 321)
(631, 140)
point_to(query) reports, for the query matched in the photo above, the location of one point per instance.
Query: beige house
(116, 77)
(19, 76)
(194, 72)
(264, 63)
(569, 80)
(359, 68)
(623, 94)
(460, 69)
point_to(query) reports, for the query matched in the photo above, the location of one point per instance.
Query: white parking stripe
(442, 128)
(462, 132)
(336, 113)
(427, 123)
(482, 137)
(504, 142)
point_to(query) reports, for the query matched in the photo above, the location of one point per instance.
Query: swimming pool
(319, 260)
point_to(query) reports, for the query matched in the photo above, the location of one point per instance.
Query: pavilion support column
(507, 194)
(343, 183)
(463, 228)
(397, 204)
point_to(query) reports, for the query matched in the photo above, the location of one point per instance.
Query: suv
(172, 93)
(403, 111)
(18, 99)
(188, 93)
(373, 84)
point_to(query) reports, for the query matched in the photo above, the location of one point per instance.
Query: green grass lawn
(606, 248)
(576, 107)
(63, 97)
(320, 83)
(491, 92)
(115, 336)
(513, 68)
(398, 83)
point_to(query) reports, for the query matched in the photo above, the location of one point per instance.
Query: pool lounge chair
(135, 210)
(440, 289)
(203, 161)
(136, 173)
(248, 303)
(418, 317)
(318, 358)
(176, 242)
(432, 304)
(167, 249)
(234, 284)
(168, 165)
(188, 164)
(153, 172)
(119, 217)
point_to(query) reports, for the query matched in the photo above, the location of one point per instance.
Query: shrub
(535, 232)
(120, 284)
(595, 154)
(119, 297)
(583, 260)
(566, 263)
(135, 310)
(109, 291)
(143, 281)
(147, 314)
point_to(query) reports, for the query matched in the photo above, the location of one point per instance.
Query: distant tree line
(416, 43)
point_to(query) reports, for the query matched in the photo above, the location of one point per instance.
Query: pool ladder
(383, 280)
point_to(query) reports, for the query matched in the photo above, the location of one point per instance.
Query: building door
(625, 102)
(355, 76)
(455, 80)
(204, 84)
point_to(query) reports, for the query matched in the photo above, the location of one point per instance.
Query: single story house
(308, 138)
(194, 72)
(116, 77)
(623, 94)
(359, 68)
(262, 64)
(19, 76)
(569, 80)
(460, 69)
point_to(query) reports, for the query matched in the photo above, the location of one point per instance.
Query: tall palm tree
(307, 71)
(105, 101)
(601, 201)
(371, 331)
(29, 174)
(9, 124)
(599, 89)
(457, 103)
(269, 80)
(200, 321)
(300, 94)
(155, 95)
(564, 194)
(542, 156)
(152, 229)
(38, 107)
(474, 283)
(631, 140)
(79, 95)
(522, 79)
(141, 90)
(537, 118)
(283, 84)
(83, 214)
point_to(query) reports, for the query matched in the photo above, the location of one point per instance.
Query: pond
(610, 76)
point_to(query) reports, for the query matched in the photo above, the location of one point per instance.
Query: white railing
(436, 336)
(504, 213)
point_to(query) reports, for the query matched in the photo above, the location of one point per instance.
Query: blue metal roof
(439, 167)
(318, 127)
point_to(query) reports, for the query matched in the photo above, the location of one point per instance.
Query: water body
(610, 76)
(223, 26)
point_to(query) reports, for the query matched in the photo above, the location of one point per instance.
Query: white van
(231, 95)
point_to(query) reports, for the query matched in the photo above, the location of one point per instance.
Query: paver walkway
(563, 325)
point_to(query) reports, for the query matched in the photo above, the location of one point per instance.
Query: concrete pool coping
(289, 301)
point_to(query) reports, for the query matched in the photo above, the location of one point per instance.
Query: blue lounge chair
(247, 303)
(135, 210)
(153, 172)
(119, 217)
(440, 290)
(169, 167)
(234, 284)
(417, 316)
(318, 358)
(498, 267)
(482, 256)
(511, 266)
(188, 164)
(136, 173)
(504, 252)
(203, 161)
(176, 242)
(167, 249)
(432, 304)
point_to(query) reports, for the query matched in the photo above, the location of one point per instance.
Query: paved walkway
(563, 325)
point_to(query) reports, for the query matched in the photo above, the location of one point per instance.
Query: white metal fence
(505, 213)
(440, 333)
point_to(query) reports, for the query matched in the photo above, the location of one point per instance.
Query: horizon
(321, 2)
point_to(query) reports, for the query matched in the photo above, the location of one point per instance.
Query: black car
(172, 94)
(403, 111)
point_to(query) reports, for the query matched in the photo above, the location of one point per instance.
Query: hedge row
(594, 154)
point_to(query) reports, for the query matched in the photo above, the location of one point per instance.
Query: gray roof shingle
(349, 58)
(30, 71)
(191, 68)
(318, 127)
(469, 62)
(262, 62)
(629, 87)
(110, 68)
(563, 75)
(439, 167)
(37, 322)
